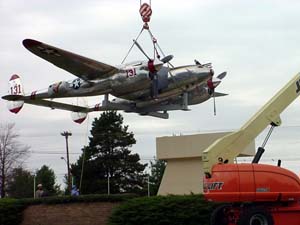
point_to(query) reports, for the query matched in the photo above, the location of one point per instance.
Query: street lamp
(66, 134)
(63, 158)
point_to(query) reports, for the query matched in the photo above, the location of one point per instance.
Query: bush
(159, 210)
(11, 211)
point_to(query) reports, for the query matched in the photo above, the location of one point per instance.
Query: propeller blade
(141, 49)
(167, 58)
(216, 82)
(215, 107)
(207, 65)
(222, 75)
(197, 62)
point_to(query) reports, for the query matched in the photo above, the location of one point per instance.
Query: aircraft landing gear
(106, 100)
(185, 101)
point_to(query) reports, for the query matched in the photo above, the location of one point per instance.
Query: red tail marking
(16, 110)
(97, 107)
(13, 77)
(79, 120)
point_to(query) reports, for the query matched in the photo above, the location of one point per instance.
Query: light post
(108, 183)
(34, 185)
(72, 180)
(66, 134)
(148, 185)
(148, 179)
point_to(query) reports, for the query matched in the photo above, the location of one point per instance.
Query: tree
(20, 184)
(12, 154)
(157, 172)
(108, 158)
(46, 176)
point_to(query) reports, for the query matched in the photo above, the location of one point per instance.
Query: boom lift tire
(255, 216)
(218, 216)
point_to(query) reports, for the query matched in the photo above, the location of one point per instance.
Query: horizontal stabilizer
(12, 97)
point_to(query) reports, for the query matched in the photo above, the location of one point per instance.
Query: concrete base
(182, 176)
(184, 172)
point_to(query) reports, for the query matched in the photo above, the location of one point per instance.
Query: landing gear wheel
(255, 216)
(218, 216)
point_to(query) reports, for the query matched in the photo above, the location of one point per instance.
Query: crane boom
(231, 145)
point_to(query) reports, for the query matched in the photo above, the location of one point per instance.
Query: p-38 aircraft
(147, 87)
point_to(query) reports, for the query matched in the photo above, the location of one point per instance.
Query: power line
(77, 153)
(53, 153)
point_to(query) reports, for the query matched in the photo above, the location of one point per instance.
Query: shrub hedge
(159, 210)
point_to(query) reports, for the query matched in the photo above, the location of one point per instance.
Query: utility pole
(108, 183)
(66, 134)
(148, 181)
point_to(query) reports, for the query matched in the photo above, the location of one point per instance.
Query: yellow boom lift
(227, 148)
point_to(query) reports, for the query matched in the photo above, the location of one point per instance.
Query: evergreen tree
(46, 176)
(108, 157)
(157, 172)
(20, 184)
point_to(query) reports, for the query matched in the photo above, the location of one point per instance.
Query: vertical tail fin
(79, 117)
(15, 88)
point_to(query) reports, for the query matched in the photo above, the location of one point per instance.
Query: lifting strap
(146, 12)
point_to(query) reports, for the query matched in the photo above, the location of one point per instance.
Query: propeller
(212, 84)
(167, 58)
(203, 65)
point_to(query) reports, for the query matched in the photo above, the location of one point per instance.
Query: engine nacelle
(59, 87)
(198, 95)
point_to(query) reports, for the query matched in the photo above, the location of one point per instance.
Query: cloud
(256, 42)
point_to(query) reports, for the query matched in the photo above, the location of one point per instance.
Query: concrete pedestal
(184, 173)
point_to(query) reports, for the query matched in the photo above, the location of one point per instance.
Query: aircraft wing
(57, 105)
(82, 67)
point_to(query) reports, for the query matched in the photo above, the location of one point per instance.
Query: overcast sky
(256, 42)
